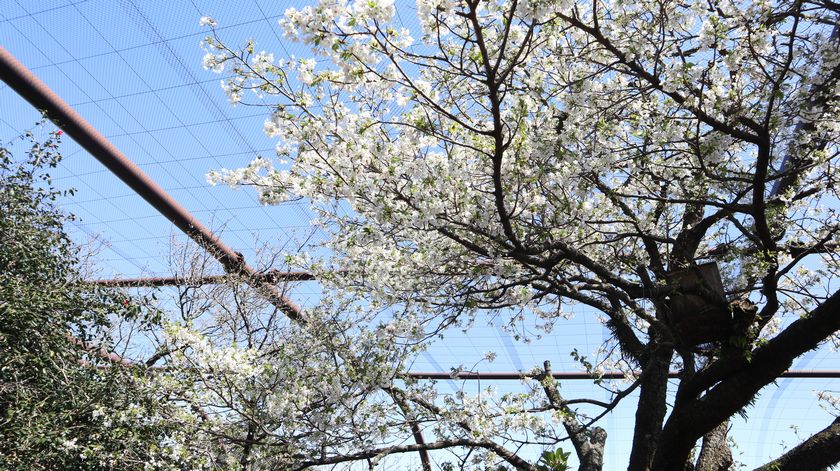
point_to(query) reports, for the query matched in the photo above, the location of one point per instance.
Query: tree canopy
(670, 166)
(63, 404)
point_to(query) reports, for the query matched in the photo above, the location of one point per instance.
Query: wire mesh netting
(133, 70)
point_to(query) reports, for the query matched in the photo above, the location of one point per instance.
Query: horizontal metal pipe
(36, 92)
(513, 376)
(273, 276)
(492, 376)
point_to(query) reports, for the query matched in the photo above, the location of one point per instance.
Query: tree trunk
(651, 410)
(715, 454)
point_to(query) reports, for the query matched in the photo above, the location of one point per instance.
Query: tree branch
(589, 444)
(819, 451)
(738, 381)
(438, 445)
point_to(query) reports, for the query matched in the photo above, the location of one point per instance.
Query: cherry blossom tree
(260, 391)
(671, 166)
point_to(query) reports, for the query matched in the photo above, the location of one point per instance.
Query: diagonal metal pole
(36, 92)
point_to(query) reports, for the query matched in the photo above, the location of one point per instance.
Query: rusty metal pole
(571, 375)
(36, 92)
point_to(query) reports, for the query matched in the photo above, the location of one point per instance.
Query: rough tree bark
(651, 410)
(819, 451)
(715, 454)
(588, 442)
(733, 383)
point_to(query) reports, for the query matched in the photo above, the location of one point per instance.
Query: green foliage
(61, 406)
(556, 460)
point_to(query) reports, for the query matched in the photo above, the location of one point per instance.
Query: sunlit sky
(133, 69)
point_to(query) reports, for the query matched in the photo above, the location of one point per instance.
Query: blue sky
(133, 69)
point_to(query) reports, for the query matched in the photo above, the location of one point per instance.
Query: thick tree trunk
(651, 410)
(715, 454)
(739, 381)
